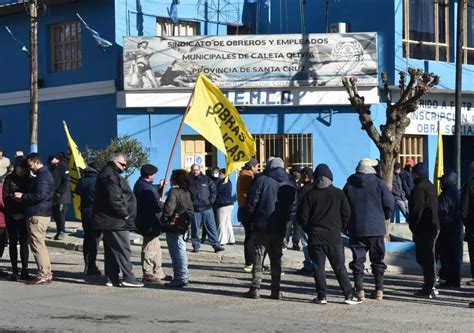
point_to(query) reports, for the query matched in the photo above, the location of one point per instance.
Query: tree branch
(387, 92)
(358, 102)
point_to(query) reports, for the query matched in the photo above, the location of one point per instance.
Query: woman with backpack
(178, 202)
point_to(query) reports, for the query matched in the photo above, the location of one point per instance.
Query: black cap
(307, 172)
(148, 170)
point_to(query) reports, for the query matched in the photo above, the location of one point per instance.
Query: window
(66, 46)
(168, 28)
(292, 148)
(468, 45)
(411, 147)
(426, 29)
(237, 30)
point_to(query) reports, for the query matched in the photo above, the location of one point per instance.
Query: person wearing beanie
(86, 190)
(307, 179)
(371, 204)
(149, 210)
(324, 214)
(424, 224)
(271, 205)
(244, 181)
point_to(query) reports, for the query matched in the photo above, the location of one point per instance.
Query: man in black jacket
(424, 224)
(86, 189)
(324, 214)
(271, 205)
(467, 215)
(114, 213)
(38, 202)
(203, 193)
(149, 210)
(371, 204)
(62, 194)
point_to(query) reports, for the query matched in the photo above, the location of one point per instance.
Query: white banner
(440, 107)
(250, 61)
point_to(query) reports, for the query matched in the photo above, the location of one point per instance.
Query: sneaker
(195, 250)
(471, 305)
(320, 300)
(378, 295)
(109, 283)
(304, 271)
(282, 273)
(218, 248)
(296, 247)
(352, 301)
(60, 236)
(176, 284)
(470, 283)
(25, 276)
(132, 284)
(276, 294)
(426, 294)
(248, 268)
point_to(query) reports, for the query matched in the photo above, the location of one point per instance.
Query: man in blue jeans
(203, 193)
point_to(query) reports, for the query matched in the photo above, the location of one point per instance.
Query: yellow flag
(439, 163)
(75, 162)
(214, 117)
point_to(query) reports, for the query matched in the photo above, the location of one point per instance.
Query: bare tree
(390, 135)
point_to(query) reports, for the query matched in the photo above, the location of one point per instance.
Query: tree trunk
(387, 160)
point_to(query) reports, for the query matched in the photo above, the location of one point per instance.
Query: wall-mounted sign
(440, 107)
(194, 159)
(250, 61)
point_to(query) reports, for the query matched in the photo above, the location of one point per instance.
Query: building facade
(83, 84)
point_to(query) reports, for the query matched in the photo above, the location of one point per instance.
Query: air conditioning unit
(339, 27)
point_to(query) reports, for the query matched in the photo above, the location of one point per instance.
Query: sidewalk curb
(221, 257)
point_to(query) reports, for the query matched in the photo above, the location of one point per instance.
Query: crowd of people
(272, 205)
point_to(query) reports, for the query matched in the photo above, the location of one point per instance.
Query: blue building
(83, 84)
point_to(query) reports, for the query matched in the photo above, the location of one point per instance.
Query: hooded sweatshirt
(371, 203)
(272, 202)
(449, 206)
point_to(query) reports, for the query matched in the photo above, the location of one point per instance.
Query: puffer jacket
(371, 203)
(203, 193)
(86, 189)
(272, 202)
(38, 200)
(115, 206)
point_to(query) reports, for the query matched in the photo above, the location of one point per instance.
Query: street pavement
(212, 303)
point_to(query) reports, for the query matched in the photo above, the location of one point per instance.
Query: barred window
(411, 147)
(238, 30)
(66, 46)
(292, 148)
(166, 27)
(426, 29)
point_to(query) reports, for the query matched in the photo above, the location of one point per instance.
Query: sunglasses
(122, 164)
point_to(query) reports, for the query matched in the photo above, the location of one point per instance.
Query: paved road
(212, 303)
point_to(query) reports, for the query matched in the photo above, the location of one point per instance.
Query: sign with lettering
(441, 107)
(250, 61)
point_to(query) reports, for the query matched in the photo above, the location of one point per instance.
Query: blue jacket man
(371, 204)
(203, 194)
(38, 202)
(271, 205)
(149, 210)
(86, 189)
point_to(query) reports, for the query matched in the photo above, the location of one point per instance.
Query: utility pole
(458, 91)
(33, 11)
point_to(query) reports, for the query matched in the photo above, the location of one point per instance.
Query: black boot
(378, 287)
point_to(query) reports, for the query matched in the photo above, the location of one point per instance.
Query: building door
(196, 150)
(294, 149)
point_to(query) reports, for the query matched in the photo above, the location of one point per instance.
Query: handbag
(179, 222)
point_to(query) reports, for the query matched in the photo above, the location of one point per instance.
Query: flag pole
(180, 128)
